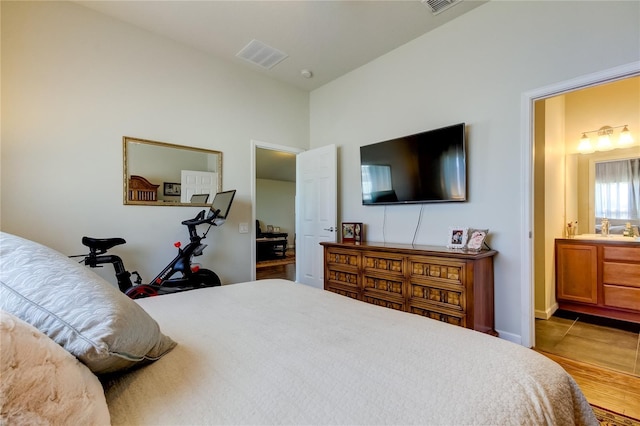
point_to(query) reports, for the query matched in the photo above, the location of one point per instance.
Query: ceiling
(328, 38)
(275, 165)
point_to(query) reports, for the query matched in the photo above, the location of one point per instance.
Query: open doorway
(274, 192)
(560, 116)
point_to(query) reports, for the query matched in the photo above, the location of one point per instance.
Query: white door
(316, 211)
(196, 182)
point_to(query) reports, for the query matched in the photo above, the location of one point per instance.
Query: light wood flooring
(602, 356)
(606, 388)
(602, 342)
(287, 272)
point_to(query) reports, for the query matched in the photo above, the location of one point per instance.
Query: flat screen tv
(427, 167)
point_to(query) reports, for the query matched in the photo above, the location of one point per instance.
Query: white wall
(74, 82)
(474, 69)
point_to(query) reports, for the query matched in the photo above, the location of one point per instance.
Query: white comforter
(276, 352)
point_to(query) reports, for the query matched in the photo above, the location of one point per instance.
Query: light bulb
(585, 146)
(625, 137)
(604, 140)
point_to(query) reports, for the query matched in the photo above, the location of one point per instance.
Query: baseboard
(545, 315)
(514, 338)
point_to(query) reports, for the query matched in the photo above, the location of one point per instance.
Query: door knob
(332, 229)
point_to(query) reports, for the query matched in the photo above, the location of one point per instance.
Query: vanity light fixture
(604, 142)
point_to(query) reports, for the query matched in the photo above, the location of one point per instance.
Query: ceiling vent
(439, 6)
(262, 55)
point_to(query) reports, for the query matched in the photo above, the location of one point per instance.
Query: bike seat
(102, 243)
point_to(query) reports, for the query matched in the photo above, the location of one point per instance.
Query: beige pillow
(76, 308)
(44, 384)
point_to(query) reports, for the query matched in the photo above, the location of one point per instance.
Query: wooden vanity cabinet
(577, 273)
(599, 278)
(446, 285)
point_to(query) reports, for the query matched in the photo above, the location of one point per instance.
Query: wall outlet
(243, 228)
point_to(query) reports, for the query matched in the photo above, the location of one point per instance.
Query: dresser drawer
(391, 285)
(381, 301)
(346, 278)
(450, 272)
(343, 292)
(625, 274)
(383, 263)
(450, 318)
(630, 254)
(450, 298)
(622, 297)
(342, 258)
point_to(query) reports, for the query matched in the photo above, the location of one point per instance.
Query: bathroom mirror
(164, 174)
(613, 193)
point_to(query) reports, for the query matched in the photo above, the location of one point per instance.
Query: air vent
(262, 55)
(439, 6)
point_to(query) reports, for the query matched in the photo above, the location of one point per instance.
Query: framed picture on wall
(457, 237)
(352, 232)
(172, 189)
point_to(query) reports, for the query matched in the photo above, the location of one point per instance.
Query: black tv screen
(427, 167)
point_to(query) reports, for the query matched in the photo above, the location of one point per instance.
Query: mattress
(277, 352)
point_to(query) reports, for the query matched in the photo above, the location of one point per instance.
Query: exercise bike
(191, 276)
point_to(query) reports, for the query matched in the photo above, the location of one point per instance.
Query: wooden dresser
(446, 285)
(599, 277)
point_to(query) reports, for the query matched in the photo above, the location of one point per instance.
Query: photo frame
(352, 232)
(172, 189)
(457, 237)
(476, 239)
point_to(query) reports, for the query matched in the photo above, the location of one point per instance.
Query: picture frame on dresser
(352, 232)
(457, 237)
(476, 238)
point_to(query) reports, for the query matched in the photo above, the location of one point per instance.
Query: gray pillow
(79, 310)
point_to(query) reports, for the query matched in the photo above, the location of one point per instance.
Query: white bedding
(276, 352)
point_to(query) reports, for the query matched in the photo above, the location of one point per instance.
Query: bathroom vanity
(599, 275)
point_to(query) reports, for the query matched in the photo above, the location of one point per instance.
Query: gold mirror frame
(156, 168)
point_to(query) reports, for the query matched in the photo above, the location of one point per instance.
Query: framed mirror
(602, 185)
(164, 174)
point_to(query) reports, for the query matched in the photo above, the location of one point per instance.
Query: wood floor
(610, 344)
(608, 389)
(287, 272)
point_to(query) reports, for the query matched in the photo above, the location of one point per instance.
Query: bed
(276, 352)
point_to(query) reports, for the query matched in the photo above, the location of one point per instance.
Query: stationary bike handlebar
(200, 218)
